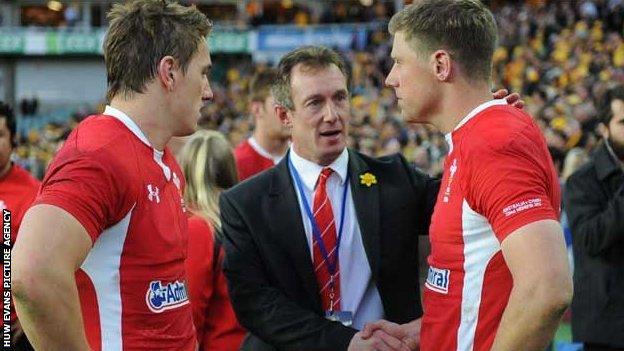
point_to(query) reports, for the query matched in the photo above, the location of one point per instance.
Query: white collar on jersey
(470, 115)
(259, 149)
(310, 171)
(128, 122)
(134, 128)
(478, 109)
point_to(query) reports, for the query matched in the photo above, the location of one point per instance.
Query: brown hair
(260, 85)
(141, 33)
(605, 112)
(466, 28)
(6, 112)
(314, 57)
(209, 167)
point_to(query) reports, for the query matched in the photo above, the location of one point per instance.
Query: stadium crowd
(559, 56)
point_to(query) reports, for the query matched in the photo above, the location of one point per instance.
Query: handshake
(387, 336)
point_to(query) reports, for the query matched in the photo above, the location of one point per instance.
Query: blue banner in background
(286, 38)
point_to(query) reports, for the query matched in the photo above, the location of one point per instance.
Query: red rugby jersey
(249, 161)
(18, 190)
(127, 196)
(497, 178)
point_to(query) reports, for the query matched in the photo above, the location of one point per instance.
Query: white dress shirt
(359, 294)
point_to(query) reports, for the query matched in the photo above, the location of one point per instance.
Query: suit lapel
(366, 201)
(288, 226)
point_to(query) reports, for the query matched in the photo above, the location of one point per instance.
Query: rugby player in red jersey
(498, 276)
(99, 262)
(270, 139)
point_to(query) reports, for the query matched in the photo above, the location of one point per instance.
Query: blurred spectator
(209, 168)
(589, 10)
(574, 160)
(29, 106)
(594, 202)
(72, 15)
(17, 192)
(270, 138)
(558, 156)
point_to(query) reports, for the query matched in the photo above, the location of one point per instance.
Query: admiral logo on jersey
(160, 297)
(438, 280)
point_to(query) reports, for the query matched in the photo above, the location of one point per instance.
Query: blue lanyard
(331, 265)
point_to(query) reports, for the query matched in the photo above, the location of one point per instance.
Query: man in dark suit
(326, 241)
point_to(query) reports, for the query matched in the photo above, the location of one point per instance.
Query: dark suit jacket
(268, 265)
(594, 201)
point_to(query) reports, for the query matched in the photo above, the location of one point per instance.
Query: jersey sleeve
(87, 187)
(512, 184)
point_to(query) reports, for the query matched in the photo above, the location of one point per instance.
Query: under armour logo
(153, 193)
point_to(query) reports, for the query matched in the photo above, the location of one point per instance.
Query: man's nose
(331, 113)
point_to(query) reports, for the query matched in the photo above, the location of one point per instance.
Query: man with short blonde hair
(498, 277)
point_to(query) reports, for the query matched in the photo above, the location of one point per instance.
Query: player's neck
(274, 146)
(460, 101)
(148, 117)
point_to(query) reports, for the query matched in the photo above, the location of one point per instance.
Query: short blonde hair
(209, 167)
(466, 28)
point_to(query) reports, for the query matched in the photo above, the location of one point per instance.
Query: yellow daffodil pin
(368, 179)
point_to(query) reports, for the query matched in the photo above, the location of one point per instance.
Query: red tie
(324, 217)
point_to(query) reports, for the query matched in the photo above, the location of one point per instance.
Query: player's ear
(284, 115)
(167, 72)
(442, 65)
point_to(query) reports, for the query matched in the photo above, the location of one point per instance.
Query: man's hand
(512, 99)
(377, 340)
(408, 333)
